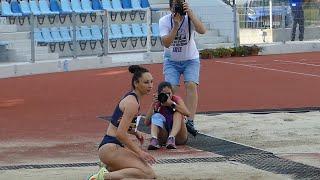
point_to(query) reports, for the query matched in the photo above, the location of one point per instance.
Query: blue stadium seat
(7, 12)
(36, 11)
(35, 8)
(55, 7)
(56, 34)
(25, 8)
(87, 6)
(145, 4)
(96, 32)
(86, 32)
(116, 5)
(76, 7)
(144, 29)
(96, 5)
(155, 33)
(137, 30)
(66, 7)
(15, 7)
(48, 38)
(126, 4)
(116, 31)
(126, 35)
(38, 36)
(4, 43)
(44, 8)
(106, 5)
(137, 6)
(47, 35)
(82, 38)
(114, 34)
(138, 33)
(65, 34)
(57, 37)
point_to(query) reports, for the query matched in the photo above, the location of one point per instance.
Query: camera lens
(178, 8)
(162, 97)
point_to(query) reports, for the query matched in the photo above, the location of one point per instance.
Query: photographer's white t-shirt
(181, 48)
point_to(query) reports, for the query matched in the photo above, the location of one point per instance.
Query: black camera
(162, 97)
(178, 8)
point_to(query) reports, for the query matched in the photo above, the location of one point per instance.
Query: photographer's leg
(191, 98)
(176, 124)
(157, 126)
(182, 135)
(172, 73)
(191, 77)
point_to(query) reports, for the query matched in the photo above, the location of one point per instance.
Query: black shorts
(110, 139)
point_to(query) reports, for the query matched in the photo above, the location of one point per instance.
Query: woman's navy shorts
(110, 139)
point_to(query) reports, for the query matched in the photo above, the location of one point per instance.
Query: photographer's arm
(147, 120)
(150, 112)
(198, 25)
(180, 106)
(168, 39)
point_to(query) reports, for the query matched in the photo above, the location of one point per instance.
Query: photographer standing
(166, 117)
(181, 56)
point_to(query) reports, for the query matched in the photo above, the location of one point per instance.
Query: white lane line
(293, 62)
(271, 69)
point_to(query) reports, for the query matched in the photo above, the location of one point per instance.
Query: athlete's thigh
(117, 157)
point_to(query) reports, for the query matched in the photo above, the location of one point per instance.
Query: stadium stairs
(19, 46)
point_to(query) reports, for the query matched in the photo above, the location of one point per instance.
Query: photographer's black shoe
(190, 128)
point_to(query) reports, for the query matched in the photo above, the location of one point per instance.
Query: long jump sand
(295, 136)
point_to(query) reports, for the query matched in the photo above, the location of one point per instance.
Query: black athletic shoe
(190, 128)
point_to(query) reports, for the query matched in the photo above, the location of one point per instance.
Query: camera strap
(189, 25)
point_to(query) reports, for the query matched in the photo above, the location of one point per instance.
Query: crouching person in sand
(166, 117)
(124, 158)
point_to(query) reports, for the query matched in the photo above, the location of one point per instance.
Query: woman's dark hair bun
(136, 68)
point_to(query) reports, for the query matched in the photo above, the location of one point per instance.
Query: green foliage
(229, 52)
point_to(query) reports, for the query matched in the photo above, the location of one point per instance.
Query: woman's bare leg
(182, 136)
(123, 163)
(176, 126)
(154, 130)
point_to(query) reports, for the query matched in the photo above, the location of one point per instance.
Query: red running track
(65, 105)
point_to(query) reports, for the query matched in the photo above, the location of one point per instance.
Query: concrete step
(4, 55)
(27, 50)
(8, 28)
(16, 57)
(214, 46)
(209, 33)
(14, 36)
(20, 42)
(211, 39)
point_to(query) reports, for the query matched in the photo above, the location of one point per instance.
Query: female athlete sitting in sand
(123, 158)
